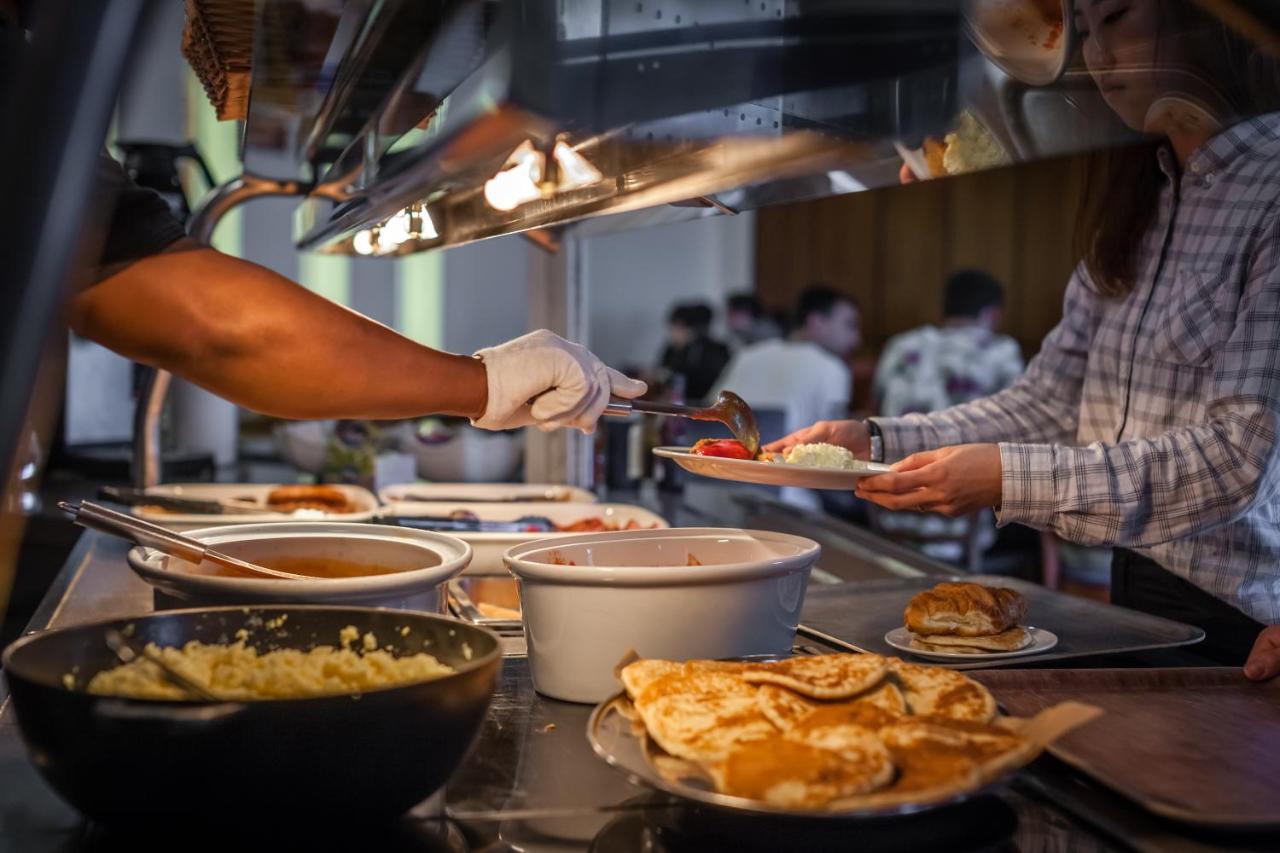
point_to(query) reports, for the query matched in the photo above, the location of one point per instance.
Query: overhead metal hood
(419, 125)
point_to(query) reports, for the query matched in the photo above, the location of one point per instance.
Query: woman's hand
(544, 380)
(952, 481)
(1264, 660)
(848, 434)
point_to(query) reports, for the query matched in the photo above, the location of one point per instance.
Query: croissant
(965, 609)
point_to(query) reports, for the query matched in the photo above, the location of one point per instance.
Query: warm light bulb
(575, 170)
(426, 229)
(518, 181)
(362, 242)
(395, 230)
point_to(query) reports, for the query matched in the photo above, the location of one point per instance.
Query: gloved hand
(544, 380)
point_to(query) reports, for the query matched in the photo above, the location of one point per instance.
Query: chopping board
(1196, 745)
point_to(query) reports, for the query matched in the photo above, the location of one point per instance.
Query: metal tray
(467, 593)
(1195, 745)
(616, 739)
(857, 615)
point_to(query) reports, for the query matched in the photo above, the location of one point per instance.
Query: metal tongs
(126, 653)
(148, 535)
(728, 409)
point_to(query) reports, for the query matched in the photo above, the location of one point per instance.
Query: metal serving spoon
(148, 535)
(126, 653)
(728, 409)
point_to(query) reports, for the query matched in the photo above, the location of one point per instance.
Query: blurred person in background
(935, 367)
(1149, 422)
(691, 353)
(806, 374)
(746, 322)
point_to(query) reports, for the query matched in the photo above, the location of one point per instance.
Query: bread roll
(965, 610)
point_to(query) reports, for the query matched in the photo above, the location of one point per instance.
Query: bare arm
(266, 343)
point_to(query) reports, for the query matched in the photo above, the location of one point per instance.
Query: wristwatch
(877, 441)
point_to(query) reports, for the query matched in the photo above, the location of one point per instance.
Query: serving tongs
(176, 503)
(126, 653)
(468, 523)
(728, 409)
(148, 535)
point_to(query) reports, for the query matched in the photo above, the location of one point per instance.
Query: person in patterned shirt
(935, 367)
(1149, 420)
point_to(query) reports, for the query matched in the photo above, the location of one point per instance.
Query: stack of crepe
(967, 618)
(834, 731)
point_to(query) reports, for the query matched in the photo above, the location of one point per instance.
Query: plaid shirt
(1150, 421)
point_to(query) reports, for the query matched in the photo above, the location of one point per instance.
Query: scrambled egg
(239, 672)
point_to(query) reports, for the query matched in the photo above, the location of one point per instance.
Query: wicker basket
(218, 43)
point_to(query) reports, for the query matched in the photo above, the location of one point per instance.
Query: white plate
(362, 499)
(485, 493)
(489, 547)
(1041, 641)
(770, 473)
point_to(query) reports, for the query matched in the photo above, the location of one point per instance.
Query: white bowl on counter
(635, 591)
(422, 562)
(489, 548)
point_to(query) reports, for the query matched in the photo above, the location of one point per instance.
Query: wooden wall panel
(893, 248)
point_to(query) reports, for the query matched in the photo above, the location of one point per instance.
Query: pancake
(941, 754)
(888, 696)
(839, 676)
(701, 715)
(932, 690)
(639, 674)
(1011, 640)
(783, 707)
(784, 772)
(921, 645)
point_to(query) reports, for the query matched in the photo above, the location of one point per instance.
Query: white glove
(544, 380)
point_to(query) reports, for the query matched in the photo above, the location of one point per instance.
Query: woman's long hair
(1122, 185)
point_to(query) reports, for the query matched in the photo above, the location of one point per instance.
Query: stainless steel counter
(532, 783)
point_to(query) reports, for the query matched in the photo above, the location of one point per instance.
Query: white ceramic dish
(1041, 641)
(366, 505)
(770, 473)
(635, 591)
(427, 560)
(485, 493)
(489, 547)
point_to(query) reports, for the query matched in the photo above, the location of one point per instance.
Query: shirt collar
(1240, 140)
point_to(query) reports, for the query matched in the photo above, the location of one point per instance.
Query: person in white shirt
(804, 376)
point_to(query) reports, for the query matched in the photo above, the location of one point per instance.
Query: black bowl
(365, 757)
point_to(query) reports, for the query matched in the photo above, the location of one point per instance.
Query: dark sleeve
(139, 224)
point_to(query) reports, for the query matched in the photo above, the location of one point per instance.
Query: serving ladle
(97, 517)
(728, 409)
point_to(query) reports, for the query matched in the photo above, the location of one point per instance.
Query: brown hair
(1122, 185)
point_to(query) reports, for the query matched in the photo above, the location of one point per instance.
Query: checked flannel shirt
(1150, 421)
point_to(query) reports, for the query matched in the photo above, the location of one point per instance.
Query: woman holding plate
(1149, 420)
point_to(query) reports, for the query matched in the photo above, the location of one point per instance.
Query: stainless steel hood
(418, 125)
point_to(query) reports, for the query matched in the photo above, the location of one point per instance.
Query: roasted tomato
(725, 447)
